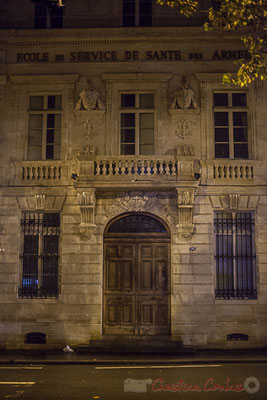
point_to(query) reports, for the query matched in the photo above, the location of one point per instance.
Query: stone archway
(136, 276)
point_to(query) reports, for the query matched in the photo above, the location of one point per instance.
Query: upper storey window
(231, 125)
(137, 12)
(44, 127)
(137, 123)
(48, 15)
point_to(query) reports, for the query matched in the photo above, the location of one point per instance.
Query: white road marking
(161, 366)
(14, 396)
(17, 383)
(21, 367)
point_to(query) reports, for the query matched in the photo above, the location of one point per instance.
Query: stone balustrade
(229, 172)
(131, 165)
(233, 170)
(160, 169)
(35, 172)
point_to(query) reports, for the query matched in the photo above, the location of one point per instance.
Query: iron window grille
(44, 131)
(235, 255)
(231, 125)
(39, 277)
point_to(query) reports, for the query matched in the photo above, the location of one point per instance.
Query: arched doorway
(136, 276)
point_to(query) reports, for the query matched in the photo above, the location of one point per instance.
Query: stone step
(132, 345)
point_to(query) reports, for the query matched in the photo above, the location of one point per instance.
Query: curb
(131, 361)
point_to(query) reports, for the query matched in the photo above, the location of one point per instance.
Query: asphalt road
(85, 382)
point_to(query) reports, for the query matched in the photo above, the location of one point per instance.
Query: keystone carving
(234, 201)
(40, 201)
(87, 202)
(185, 204)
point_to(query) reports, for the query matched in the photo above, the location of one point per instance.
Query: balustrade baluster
(167, 167)
(161, 169)
(230, 169)
(142, 169)
(123, 167)
(174, 168)
(149, 167)
(117, 167)
(126, 167)
(153, 170)
(105, 167)
(97, 168)
(241, 172)
(135, 166)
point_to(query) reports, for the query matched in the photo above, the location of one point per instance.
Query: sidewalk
(16, 357)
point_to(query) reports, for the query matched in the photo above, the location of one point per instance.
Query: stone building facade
(133, 182)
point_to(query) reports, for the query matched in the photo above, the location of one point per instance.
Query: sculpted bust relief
(184, 98)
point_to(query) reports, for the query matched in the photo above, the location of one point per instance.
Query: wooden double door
(136, 286)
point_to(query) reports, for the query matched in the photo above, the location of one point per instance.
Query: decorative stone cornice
(62, 78)
(209, 76)
(121, 77)
(115, 41)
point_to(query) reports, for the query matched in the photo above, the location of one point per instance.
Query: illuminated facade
(133, 182)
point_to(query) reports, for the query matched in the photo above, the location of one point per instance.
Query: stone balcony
(233, 172)
(142, 171)
(40, 173)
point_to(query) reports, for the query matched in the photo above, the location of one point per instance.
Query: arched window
(137, 223)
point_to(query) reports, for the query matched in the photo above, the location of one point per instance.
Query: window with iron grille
(235, 255)
(231, 125)
(137, 123)
(47, 15)
(39, 276)
(44, 132)
(137, 12)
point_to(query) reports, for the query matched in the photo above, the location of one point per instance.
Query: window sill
(236, 302)
(51, 300)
